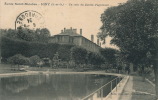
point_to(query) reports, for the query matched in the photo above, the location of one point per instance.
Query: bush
(35, 60)
(95, 59)
(79, 55)
(18, 59)
(147, 71)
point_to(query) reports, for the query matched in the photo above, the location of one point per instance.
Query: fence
(105, 90)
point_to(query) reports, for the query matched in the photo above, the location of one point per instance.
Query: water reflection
(50, 87)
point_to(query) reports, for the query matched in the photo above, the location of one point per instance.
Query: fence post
(116, 84)
(102, 94)
(119, 81)
(111, 89)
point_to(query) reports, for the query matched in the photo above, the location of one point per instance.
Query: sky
(78, 14)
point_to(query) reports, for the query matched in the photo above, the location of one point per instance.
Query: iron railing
(104, 90)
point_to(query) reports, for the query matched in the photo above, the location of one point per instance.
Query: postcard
(50, 51)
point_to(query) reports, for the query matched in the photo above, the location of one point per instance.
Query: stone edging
(150, 82)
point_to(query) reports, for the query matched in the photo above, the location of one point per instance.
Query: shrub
(79, 55)
(34, 60)
(18, 59)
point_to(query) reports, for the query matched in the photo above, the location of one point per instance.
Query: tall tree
(38, 35)
(95, 59)
(11, 33)
(43, 34)
(78, 55)
(133, 27)
(109, 55)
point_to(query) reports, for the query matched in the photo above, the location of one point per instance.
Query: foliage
(82, 56)
(38, 35)
(11, 33)
(43, 34)
(10, 47)
(147, 70)
(64, 52)
(95, 59)
(132, 25)
(34, 60)
(110, 55)
(2, 32)
(18, 59)
(79, 55)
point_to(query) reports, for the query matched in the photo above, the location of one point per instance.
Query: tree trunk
(156, 77)
(143, 73)
(135, 67)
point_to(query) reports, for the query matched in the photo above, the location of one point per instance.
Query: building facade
(70, 36)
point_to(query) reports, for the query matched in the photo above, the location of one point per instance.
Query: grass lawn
(142, 90)
(6, 68)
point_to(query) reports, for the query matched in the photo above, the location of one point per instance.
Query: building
(70, 36)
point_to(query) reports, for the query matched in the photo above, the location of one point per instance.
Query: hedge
(10, 47)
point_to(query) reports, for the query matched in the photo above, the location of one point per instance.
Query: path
(136, 89)
(127, 91)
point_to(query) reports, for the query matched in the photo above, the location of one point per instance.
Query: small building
(70, 36)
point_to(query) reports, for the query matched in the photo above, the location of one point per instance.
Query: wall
(75, 40)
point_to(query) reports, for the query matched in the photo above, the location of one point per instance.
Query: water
(51, 87)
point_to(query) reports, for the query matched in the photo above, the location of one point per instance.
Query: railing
(104, 90)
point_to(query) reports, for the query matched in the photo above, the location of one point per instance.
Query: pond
(51, 86)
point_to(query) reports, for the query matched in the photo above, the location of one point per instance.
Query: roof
(69, 32)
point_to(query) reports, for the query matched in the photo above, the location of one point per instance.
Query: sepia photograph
(79, 50)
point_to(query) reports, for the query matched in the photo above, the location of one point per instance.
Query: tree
(95, 59)
(109, 55)
(25, 34)
(38, 35)
(43, 34)
(64, 52)
(11, 33)
(133, 27)
(78, 55)
(18, 59)
(34, 60)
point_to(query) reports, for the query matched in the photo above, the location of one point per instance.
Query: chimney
(64, 29)
(61, 31)
(98, 41)
(81, 32)
(71, 28)
(92, 38)
(100, 44)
